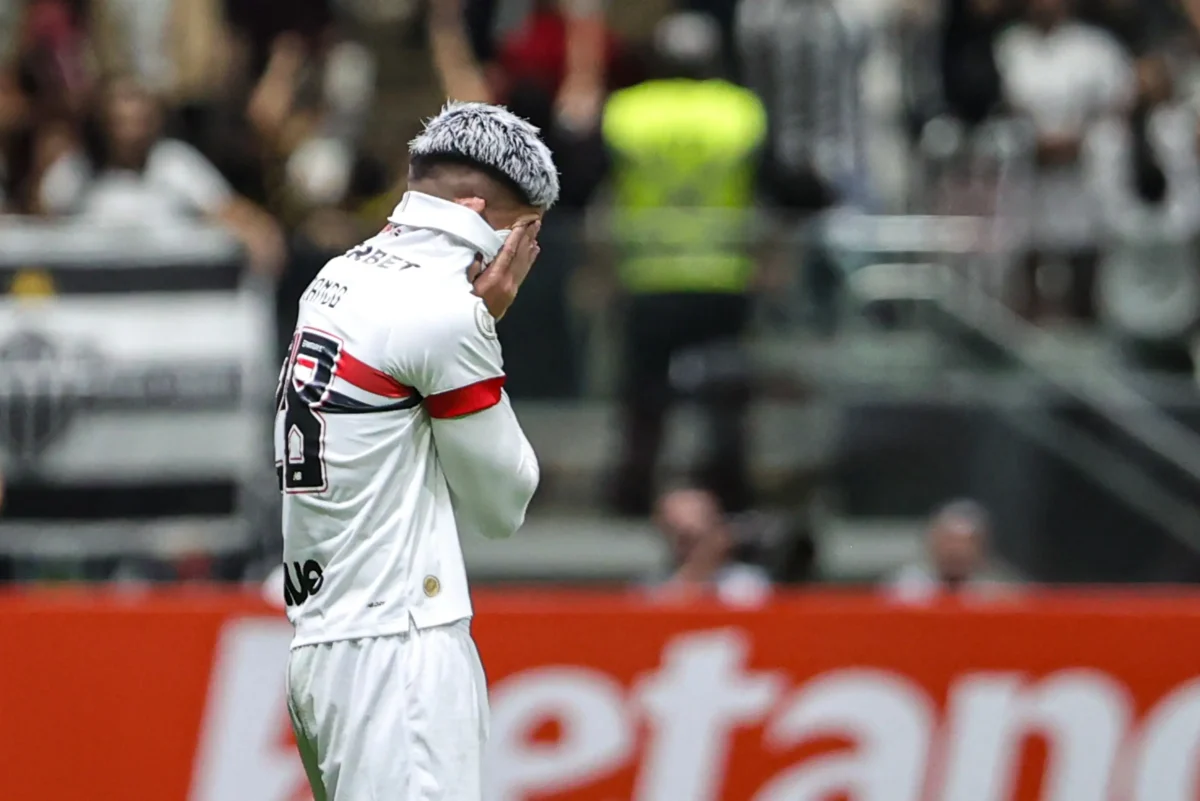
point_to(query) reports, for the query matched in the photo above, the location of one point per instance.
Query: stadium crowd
(697, 140)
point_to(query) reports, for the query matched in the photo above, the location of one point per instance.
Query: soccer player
(394, 438)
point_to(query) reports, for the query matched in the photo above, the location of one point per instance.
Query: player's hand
(498, 282)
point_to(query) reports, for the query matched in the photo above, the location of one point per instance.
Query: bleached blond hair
(496, 139)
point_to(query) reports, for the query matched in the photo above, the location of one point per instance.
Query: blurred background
(895, 295)
(898, 291)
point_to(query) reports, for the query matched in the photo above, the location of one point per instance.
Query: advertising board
(607, 698)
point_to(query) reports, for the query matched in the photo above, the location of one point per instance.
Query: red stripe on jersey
(465, 400)
(367, 378)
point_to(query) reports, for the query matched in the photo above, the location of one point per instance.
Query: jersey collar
(419, 210)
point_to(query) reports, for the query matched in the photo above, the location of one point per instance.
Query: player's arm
(490, 467)
(454, 361)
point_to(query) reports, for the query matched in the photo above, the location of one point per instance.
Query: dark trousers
(659, 328)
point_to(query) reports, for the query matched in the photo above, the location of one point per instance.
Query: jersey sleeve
(451, 356)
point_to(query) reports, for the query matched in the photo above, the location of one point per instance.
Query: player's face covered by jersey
(479, 206)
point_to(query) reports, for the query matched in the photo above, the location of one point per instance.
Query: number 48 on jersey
(299, 427)
(320, 378)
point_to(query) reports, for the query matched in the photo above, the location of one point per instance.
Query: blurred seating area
(820, 268)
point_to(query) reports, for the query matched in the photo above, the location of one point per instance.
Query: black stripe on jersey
(337, 403)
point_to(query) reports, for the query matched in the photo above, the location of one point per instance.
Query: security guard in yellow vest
(685, 153)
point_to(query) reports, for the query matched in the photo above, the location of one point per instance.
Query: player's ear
(475, 204)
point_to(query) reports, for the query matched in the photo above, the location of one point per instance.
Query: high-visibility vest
(685, 163)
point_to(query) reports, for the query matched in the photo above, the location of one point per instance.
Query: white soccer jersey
(393, 435)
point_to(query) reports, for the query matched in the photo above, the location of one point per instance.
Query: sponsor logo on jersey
(485, 321)
(302, 581)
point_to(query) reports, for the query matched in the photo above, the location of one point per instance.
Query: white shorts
(398, 718)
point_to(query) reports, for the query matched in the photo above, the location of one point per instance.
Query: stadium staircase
(1091, 468)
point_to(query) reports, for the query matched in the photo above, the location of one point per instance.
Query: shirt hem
(393, 630)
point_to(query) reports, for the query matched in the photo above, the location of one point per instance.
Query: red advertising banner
(180, 697)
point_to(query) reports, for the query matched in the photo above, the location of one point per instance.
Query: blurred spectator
(60, 49)
(1145, 175)
(300, 103)
(128, 174)
(30, 140)
(307, 113)
(1192, 9)
(178, 49)
(51, 62)
(1063, 76)
(287, 125)
(1144, 163)
(781, 542)
(970, 78)
(804, 58)
(551, 48)
(702, 552)
(956, 559)
(258, 25)
(554, 72)
(686, 148)
(302, 151)
(1141, 25)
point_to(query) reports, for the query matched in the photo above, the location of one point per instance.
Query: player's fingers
(504, 259)
(527, 253)
(492, 275)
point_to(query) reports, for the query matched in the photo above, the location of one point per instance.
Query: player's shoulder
(439, 314)
(442, 338)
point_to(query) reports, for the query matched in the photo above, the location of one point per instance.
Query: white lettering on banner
(900, 752)
(701, 692)
(890, 720)
(243, 753)
(597, 733)
(1083, 714)
(691, 706)
(1167, 753)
